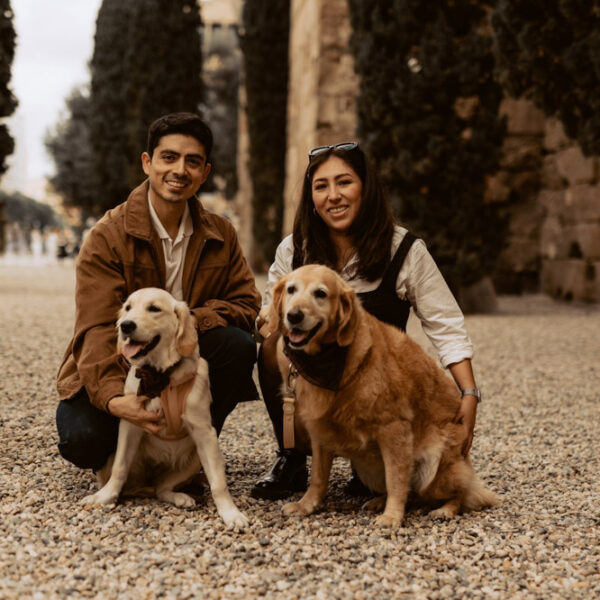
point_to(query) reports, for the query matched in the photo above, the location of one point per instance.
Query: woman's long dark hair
(371, 231)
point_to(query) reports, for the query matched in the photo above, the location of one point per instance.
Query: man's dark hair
(181, 122)
(371, 231)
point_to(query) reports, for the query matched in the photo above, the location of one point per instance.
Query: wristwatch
(471, 392)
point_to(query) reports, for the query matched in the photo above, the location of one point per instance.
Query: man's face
(176, 169)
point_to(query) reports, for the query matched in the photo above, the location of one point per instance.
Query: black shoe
(355, 487)
(288, 475)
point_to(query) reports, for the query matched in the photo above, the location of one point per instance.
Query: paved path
(536, 444)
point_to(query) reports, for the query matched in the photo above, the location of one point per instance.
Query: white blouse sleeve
(282, 265)
(421, 282)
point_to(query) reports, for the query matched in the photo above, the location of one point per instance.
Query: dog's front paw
(100, 499)
(234, 519)
(297, 508)
(389, 520)
(178, 499)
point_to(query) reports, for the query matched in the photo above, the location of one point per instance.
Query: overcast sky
(55, 40)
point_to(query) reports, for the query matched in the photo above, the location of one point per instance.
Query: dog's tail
(478, 496)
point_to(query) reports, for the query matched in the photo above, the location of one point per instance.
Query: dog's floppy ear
(271, 313)
(346, 316)
(186, 337)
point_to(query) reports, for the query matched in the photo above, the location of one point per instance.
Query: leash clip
(289, 408)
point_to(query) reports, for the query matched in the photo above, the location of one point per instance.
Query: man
(160, 237)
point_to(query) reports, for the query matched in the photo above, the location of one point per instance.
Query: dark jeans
(88, 436)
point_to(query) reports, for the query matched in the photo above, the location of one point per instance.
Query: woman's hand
(462, 372)
(466, 417)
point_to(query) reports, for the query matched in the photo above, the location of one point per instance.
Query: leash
(289, 407)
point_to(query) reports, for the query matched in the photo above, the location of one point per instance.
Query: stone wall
(322, 88)
(570, 233)
(550, 193)
(515, 188)
(548, 190)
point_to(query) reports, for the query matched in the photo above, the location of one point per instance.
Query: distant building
(221, 19)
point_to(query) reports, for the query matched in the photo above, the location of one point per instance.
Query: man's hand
(466, 417)
(131, 408)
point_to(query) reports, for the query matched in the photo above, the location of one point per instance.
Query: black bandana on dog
(153, 381)
(324, 369)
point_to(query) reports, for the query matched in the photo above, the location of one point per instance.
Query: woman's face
(336, 194)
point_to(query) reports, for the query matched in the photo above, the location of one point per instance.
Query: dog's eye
(153, 308)
(128, 308)
(320, 294)
(291, 289)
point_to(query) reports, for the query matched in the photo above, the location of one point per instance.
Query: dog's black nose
(128, 326)
(295, 316)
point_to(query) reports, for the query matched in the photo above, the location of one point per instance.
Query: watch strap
(471, 392)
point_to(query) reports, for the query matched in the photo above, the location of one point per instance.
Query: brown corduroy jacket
(123, 253)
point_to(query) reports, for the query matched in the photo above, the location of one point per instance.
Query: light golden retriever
(157, 332)
(392, 411)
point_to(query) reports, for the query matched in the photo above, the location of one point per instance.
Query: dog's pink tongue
(297, 336)
(131, 349)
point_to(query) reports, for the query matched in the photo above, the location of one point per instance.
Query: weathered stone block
(583, 240)
(523, 117)
(572, 279)
(582, 204)
(551, 239)
(575, 167)
(521, 153)
(553, 201)
(555, 137)
(550, 178)
(526, 220)
(479, 297)
(521, 255)
(525, 185)
(497, 188)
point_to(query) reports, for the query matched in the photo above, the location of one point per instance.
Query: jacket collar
(139, 224)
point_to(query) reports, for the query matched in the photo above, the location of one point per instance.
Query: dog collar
(324, 369)
(153, 381)
(172, 394)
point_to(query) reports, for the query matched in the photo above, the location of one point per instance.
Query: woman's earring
(314, 211)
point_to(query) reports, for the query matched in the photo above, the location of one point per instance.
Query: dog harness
(172, 394)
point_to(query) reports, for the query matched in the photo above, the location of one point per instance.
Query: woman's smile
(337, 194)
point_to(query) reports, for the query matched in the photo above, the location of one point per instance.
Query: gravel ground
(536, 445)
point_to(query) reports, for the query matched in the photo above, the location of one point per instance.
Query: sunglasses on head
(343, 146)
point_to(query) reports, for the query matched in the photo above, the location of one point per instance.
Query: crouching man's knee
(87, 436)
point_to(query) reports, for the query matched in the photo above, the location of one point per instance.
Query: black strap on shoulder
(391, 273)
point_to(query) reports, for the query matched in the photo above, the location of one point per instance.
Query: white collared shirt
(174, 250)
(419, 281)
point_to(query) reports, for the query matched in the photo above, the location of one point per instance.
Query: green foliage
(164, 66)
(147, 62)
(221, 81)
(113, 152)
(8, 102)
(28, 212)
(265, 50)
(76, 178)
(549, 51)
(428, 114)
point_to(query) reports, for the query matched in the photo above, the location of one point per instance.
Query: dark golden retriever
(390, 408)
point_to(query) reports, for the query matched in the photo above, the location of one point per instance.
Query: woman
(344, 221)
